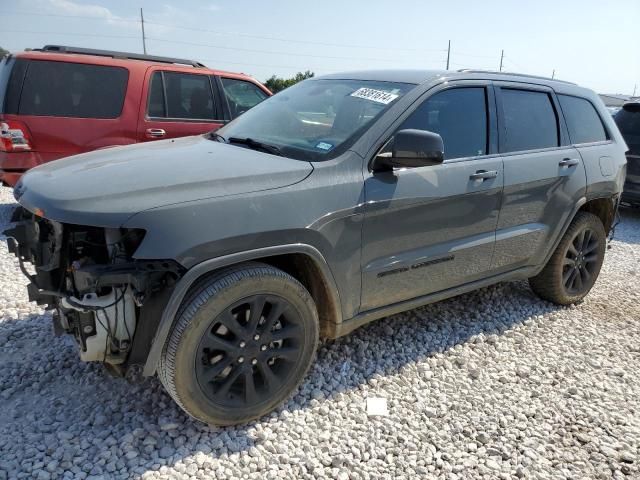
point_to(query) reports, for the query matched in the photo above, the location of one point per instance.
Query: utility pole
(144, 41)
(501, 59)
(634, 90)
(448, 54)
(553, 74)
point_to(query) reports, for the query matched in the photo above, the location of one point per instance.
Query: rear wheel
(574, 266)
(241, 345)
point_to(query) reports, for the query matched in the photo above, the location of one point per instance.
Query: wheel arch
(604, 208)
(303, 262)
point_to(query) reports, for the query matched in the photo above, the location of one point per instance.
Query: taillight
(14, 137)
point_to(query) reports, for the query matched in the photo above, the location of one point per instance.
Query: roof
(401, 76)
(117, 54)
(423, 76)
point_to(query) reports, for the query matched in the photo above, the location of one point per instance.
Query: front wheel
(242, 342)
(573, 268)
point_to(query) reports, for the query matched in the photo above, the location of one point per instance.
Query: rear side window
(582, 119)
(530, 120)
(61, 89)
(459, 116)
(241, 95)
(181, 95)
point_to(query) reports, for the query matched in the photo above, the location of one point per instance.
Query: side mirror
(411, 148)
(632, 106)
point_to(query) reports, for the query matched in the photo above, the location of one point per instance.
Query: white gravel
(493, 384)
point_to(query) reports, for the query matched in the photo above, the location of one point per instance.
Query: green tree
(4, 52)
(275, 84)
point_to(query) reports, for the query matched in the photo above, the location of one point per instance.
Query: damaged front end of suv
(110, 302)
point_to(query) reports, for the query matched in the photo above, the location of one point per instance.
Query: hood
(105, 187)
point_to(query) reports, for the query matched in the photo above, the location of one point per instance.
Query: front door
(431, 228)
(544, 175)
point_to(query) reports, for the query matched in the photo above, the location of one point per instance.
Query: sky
(591, 42)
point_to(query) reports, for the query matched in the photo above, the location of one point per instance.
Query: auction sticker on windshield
(378, 96)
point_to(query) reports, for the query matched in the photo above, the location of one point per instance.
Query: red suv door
(178, 103)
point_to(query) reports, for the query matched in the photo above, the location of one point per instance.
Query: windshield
(316, 119)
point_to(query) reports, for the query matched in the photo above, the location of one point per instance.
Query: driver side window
(459, 116)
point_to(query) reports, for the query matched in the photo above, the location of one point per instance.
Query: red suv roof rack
(113, 54)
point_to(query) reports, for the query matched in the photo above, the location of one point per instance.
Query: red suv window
(181, 95)
(61, 89)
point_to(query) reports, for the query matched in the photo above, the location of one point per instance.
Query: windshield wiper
(256, 145)
(216, 136)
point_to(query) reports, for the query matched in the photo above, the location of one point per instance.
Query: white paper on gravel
(377, 406)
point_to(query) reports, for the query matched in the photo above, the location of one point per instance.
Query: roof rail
(113, 54)
(472, 70)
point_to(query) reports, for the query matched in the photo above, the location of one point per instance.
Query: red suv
(59, 101)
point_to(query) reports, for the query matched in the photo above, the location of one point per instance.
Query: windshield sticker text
(324, 146)
(378, 96)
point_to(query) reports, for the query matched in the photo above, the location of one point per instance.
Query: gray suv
(217, 261)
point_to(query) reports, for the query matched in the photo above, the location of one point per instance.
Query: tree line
(276, 84)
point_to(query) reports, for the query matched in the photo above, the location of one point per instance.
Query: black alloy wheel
(581, 261)
(575, 264)
(249, 351)
(242, 341)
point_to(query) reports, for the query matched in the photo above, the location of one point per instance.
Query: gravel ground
(493, 384)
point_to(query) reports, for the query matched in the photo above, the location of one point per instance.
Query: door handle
(568, 162)
(155, 133)
(484, 175)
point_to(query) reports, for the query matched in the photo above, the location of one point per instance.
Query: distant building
(615, 100)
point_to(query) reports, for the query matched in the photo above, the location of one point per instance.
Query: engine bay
(96, 288)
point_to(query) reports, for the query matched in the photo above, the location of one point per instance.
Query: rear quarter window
(12, 72)
(5, 72)
(583, 121)
(63, 89)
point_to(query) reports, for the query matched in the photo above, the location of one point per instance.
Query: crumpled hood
(105, 187)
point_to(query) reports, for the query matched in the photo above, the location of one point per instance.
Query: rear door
(544, 176)
(177, 104)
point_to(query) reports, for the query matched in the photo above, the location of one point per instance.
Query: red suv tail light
(14, 137)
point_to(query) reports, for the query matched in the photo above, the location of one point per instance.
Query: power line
(462, 54)
(85, 17)
(237, 34)
(221, 47)
(71, 33)
(272, 52)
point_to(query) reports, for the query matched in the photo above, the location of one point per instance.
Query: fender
(197, 271)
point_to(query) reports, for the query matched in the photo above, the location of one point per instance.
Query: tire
(563, 279)
(241, 344)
